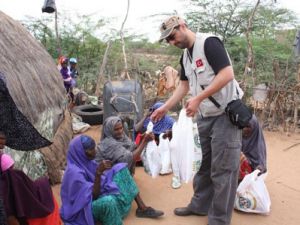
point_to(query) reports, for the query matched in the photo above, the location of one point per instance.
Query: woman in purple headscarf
(94, 193)
(117, 147)
(254, 153)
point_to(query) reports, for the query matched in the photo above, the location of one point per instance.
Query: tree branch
(249, 63)
(125, 73)
(101, 71)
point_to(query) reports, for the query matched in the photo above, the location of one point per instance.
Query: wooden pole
(125, 72)
(249, 62)
(101, 70)
(58, 44)
(297, 98)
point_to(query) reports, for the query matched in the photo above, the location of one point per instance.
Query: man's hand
(158, 114)
(191, 106)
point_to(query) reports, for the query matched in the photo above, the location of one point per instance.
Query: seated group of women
(98, 185)
(92, 191)
(102, 190)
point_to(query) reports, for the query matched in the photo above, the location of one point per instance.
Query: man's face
(178, 38)
(2, 141)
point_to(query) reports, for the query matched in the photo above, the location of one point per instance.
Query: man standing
(207, 73)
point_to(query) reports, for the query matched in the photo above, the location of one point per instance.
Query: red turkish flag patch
(199, 63)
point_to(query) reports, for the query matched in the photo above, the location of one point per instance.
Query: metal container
(124, 99)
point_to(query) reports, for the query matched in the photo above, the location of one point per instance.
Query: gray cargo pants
(215, 183)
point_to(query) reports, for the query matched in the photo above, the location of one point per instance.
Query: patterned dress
(111, 209)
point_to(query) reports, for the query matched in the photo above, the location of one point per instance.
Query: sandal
(149, 212)
(176, 182)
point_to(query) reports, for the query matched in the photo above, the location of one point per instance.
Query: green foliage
(271, 36)
(222, 18)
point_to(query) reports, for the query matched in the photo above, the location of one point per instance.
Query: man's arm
(179, 93)
(218, 59)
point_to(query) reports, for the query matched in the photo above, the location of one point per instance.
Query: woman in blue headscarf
(162, 126)
(94, 193)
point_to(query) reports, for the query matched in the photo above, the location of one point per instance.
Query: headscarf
(23, 197)
(20, 133)
(6, 162)
(165, 123)
(78, 182)
(254, 146)
(110, 148)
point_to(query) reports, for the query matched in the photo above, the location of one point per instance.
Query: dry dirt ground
(283, 183)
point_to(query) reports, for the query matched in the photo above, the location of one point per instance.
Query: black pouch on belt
(238, 113)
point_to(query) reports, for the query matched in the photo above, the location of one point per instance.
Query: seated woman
(117, 147)
(162, 126)
(92, 193)
(26, 201)
(253, 155)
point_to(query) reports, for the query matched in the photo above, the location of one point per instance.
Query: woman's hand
(104, 165)
(261, 169)
(148, 137)
(168, 134)
(242, 157)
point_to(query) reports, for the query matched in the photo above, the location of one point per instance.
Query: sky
(138, 21)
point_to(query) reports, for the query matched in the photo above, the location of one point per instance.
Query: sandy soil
(282, 182)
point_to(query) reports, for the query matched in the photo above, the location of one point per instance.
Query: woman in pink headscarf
(26, 201)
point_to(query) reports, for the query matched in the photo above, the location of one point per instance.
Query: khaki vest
(199, 72)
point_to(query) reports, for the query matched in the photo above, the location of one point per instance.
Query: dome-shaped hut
(36, 87)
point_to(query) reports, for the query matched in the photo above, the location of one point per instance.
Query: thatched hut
(35, 85)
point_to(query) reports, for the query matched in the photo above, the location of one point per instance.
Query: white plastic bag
(149, 127)
(182, 147)
(252, 194)
(174, 151)
(197, 150)
(153, 158)
(164, 151)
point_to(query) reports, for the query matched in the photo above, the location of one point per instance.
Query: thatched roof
(32, 77)
(36, 86)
